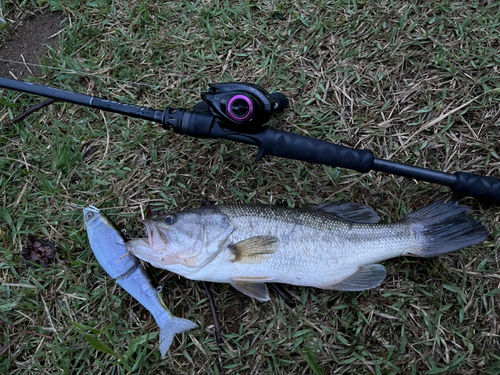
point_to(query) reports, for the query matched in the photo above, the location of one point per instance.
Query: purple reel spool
(243, 104)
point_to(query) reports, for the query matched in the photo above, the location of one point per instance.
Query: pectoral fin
(254, 287)
(254, 249)
(366, 277)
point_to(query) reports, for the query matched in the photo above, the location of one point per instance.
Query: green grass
(364, 74)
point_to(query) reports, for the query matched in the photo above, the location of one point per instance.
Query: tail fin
(169, 328)
(443, 227)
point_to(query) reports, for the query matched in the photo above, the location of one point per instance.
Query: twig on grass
(218, 336)
(31, 110)
(24, 331)
(6, 347)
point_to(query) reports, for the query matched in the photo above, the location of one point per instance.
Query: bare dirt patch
(29, 42)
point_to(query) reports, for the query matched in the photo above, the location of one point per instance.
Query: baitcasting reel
(241, 106)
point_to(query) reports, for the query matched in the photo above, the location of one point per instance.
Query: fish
(336, 246)
(109, 247)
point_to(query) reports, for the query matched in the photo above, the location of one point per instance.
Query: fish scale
(332, 246)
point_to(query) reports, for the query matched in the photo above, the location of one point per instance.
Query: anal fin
(254, 287)
(366, 277)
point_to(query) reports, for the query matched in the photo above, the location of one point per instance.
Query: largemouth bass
(109, 248)
(331, 246)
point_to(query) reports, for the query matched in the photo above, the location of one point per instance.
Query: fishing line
(76, 72)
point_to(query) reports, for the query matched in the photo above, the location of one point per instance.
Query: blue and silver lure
(109, 248)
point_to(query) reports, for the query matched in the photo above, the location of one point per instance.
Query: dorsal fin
(352, 211)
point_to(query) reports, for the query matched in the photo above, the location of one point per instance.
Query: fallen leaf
(38, 251)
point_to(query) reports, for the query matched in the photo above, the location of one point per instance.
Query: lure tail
(169, 328)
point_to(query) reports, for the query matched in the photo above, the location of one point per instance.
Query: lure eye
(170, 219)
(89, 216)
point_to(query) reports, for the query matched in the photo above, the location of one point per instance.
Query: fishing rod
(239, 112)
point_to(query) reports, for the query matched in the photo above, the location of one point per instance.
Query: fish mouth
(139, 247)
(157, 248)
(157, 239)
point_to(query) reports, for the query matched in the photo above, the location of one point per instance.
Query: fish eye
(89, 216)
(170, 219)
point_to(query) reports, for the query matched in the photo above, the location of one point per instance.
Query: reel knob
(280, 101)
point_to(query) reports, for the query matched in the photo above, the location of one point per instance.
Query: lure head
(107, 243)
(92, 216)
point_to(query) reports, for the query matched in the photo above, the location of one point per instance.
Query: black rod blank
(417, 173)
(82, 99)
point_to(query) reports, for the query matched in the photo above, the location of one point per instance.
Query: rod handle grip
(483, 187)
(299, 147)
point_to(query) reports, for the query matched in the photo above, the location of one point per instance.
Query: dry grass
(373, 75)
